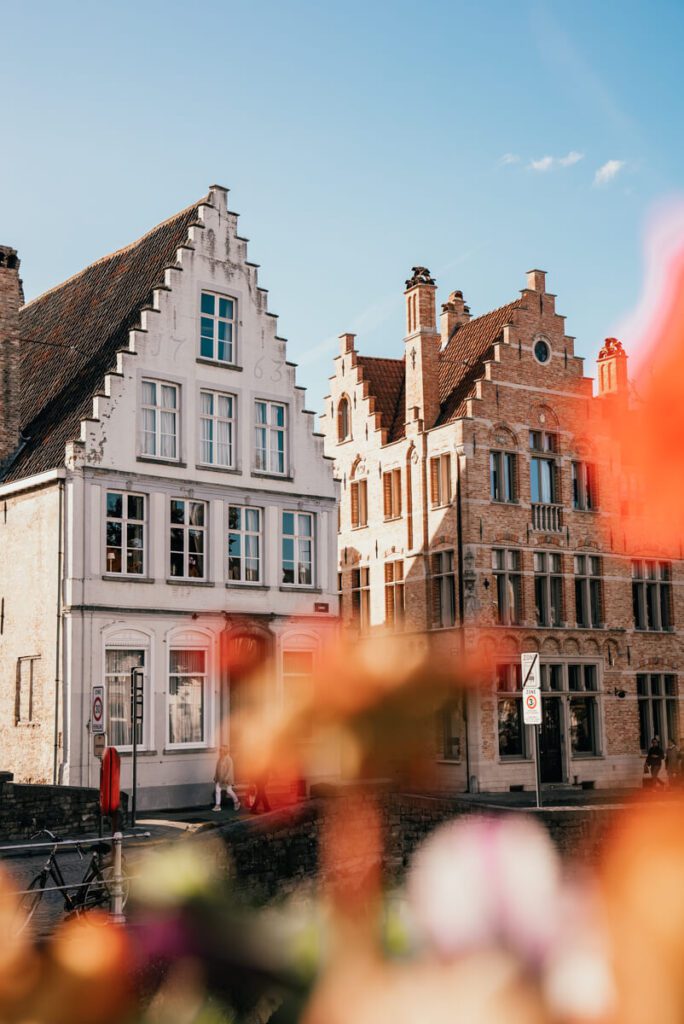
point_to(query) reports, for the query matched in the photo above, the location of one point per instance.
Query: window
(298, 549)
(160, 419)
(217, 429)
(652, 595)
(26, 681)
(577, 685)
(657, 696)
(270, 437)
(217, 328)
(584, 489)
(359, 503)
(360, 597)
(298, 670)
(509, 711)
(542, 352)
(125, 527)
(187, 685)
(506, 568)
(502, 476)
(543, 484)
(118, 666)
(440, 480)
(588, 604)
(391, 493)
(188, 539)
(443, 588)
(451, 719)
(343, 420)
(394, 594)
(548, 588)
(244, 544)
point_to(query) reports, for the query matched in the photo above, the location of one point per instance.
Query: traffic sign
(531, 672)
(99, 744)
(532, 706)
(97, 711)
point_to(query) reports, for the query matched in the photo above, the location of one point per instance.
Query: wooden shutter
(363, 502)
(389, 594)
(387, 494)
(446, 479)
(396, 492)
(354, 504)
(434, 481)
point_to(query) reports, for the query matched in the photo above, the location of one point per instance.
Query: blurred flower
(487, 882)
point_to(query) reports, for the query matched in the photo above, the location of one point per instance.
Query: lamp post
(137, 702)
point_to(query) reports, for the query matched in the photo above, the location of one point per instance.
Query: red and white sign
(532, 706)
(97, 711)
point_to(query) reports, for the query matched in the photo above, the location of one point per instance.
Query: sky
(357, 139)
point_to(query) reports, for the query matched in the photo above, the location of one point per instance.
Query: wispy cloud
(547, 163)
(509, 158)
(608, 171)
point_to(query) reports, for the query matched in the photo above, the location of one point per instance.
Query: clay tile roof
(386, 382)
(82, 323)
(462, 360)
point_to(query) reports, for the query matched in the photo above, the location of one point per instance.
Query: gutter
(59, 627)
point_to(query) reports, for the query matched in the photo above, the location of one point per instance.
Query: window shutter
(387, 494)
(389, 596)
(355, 504)
(434, 481)
(396, 496)
(446, 497)
(363, 503)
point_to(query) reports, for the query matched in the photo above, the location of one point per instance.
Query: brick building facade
(479, 513)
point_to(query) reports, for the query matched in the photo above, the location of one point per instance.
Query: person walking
(654, 760)
(224, 778)
(672, 759)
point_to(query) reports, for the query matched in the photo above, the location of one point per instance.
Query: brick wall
(65, 810)
(11, 298)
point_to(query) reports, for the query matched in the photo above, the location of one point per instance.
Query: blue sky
(357, 139)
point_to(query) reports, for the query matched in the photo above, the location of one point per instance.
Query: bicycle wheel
(29, 901)
(97, 894)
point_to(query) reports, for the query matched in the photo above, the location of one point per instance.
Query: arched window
(343, 419)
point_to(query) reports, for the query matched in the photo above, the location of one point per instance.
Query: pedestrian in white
(224, 778)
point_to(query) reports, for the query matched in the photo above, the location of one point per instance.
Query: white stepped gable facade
(199, 510)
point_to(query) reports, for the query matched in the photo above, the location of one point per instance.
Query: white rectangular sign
(532, 714)
(531, 671)
(97, 724)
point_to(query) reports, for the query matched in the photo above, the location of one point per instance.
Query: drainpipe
(58, 628)
(461, 605)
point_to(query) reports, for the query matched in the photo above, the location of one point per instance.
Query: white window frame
(244, 533)
(296, 537)
(264, 432)
(216, 420)
(158, 409)
(141, 645)
(502, 476)
(360, 598)
(216, 320)
(444, 580)
(186, 527)
(195, 645)
(125, 521)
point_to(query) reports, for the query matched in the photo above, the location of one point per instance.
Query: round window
(542, 352)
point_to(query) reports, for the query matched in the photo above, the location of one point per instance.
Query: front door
(550, 757)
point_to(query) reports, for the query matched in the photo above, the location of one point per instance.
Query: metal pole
(134, 729)
(117, 881)
(537, 766)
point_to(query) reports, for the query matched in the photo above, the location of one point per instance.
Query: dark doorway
(550, 757)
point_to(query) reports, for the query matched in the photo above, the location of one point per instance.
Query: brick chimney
(421, 349)
(612, 369)
(454, 314)
(11, 300)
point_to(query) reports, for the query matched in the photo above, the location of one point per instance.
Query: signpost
(532, 707)
(97, 711)
(99, 744)
(137, 701)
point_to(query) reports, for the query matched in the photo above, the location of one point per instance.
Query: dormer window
(217, 328)
(343, 419)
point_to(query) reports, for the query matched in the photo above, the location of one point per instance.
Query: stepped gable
(462, 361)
(84, 322)
(386, 381)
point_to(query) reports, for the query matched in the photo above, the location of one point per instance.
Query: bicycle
(93, 892)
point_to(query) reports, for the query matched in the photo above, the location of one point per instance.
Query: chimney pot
(11, 300)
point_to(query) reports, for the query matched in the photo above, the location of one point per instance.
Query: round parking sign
(97, 710)
(531, 701)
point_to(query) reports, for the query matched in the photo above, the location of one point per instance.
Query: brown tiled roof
(386, 382)
(81, 324)
(462, 360)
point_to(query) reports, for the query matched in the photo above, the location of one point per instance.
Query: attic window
(542, 351)
(217, 328)
(343, 420)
